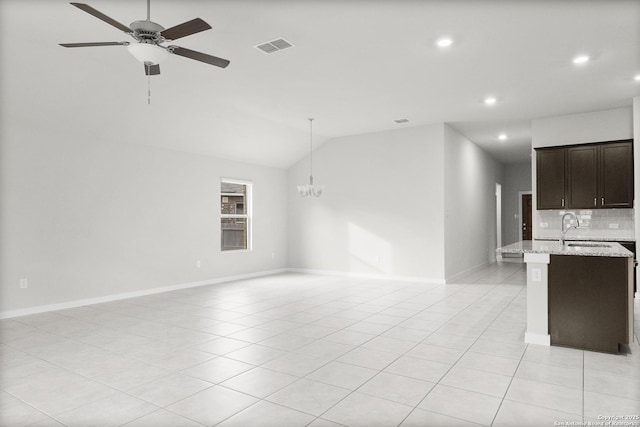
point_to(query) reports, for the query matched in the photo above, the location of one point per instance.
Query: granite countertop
(593, 239)
(554, 247)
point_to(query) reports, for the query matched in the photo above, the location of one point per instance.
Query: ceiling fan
(149, 37)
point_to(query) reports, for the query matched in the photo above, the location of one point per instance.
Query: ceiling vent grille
(274, 45)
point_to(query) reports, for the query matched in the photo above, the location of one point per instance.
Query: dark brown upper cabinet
(582, 176)
(616, 175)
(593, 176)
(550, 173)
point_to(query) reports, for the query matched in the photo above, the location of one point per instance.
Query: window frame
(247, 215)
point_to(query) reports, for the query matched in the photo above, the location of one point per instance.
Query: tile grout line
(465, 352)
(331, 361)
(320, 367)
(377, 336)
(372, 338)
(479, 297)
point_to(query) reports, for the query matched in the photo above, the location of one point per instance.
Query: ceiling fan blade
(199, 56)
(185, 29)
(151, 69)
(102, 17)
(94, 44)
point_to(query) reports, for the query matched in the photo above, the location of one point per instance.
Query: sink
(587, 245)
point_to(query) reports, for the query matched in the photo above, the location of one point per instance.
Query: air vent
(274, 46)
(401, 120)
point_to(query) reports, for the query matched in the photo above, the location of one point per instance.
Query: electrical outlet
(24, 283)
(198, 264)
(614, 226)
(273, 255)
(536, 275)
(544, 224)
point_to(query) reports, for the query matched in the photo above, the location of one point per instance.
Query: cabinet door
(616, 175)
(588, 302)
(582, 177)
(550, 178)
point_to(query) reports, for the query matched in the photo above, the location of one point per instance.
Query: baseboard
(375, 276)
(115, 297)
(540, 339)
(456, 276)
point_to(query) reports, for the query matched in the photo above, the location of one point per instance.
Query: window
(235, 215)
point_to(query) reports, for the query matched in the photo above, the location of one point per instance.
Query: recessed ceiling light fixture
(444, 42)
(581, 59)
(490, 100)
(399, 121)
(637, 77)
(502, 137)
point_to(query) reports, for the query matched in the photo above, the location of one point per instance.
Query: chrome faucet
(564, 232)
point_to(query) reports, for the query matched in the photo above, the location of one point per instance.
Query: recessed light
(401, 121)
(637, 77)
(581, 59)
(490, 100)
(444, 42)
(502, 137)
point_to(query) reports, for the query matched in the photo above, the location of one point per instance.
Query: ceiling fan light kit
(149, 37)
(148, 53)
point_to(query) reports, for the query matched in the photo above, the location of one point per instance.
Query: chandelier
(310, 189)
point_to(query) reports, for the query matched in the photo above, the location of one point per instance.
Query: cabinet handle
(595, 201)
(603, 201)
(563, 202)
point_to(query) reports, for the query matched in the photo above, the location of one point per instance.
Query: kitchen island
(579, 294)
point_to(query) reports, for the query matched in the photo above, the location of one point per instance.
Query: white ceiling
(356, 66)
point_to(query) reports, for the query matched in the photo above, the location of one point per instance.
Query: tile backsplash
(594, 224)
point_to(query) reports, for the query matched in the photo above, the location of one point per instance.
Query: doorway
(498, 220)
(526, 216)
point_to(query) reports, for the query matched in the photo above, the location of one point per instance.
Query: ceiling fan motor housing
(147, 32)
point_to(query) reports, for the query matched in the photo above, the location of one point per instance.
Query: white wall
(636, 156)
(517, 179)
(470, 181)
(607, 125)
(382, 210)
(85, 219)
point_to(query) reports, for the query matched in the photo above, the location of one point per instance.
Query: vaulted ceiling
(356, 66)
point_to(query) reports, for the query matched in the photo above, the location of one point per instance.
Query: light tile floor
(306, 350)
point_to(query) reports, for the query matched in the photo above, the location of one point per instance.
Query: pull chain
(149, 90)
